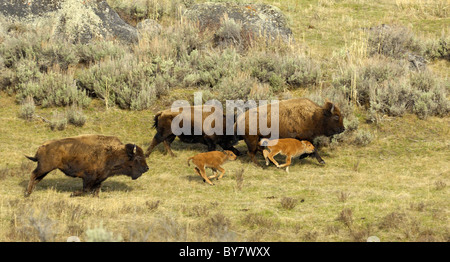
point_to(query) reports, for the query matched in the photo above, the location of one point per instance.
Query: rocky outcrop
(77, 20)
(258, 19)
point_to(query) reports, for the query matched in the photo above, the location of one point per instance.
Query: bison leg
(266, 154)
(214, 175)
(168, 149)
(271, 155)
(36, 176)
(156, 140)
(202, 172)
(89, 186)
(317, 156)
(288, 163)
(221, 170)
(252, 145)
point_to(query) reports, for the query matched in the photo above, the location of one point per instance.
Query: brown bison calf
(92, 158)
(213, 160)
(289, 147)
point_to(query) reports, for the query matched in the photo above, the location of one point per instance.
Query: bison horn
(134, 150)
(332, 108)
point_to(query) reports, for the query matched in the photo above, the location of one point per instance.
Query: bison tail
(34, 159)
(155, 119)
(264, 142)
(189, 159)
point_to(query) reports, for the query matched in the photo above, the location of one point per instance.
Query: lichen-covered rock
(77, 20)
(258, 19)
(148, 27)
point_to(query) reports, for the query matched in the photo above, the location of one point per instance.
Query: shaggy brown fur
(163, 121)
(289, 147)
(213, 160)
(299, 118)
(93, 158)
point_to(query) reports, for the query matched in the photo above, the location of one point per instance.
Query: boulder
(258, 19)
(76, 20)
(148, 27)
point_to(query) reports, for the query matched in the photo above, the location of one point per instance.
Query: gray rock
(149, 27)
(79, 21)
(259, 19)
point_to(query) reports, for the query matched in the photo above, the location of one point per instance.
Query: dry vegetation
(387, 175)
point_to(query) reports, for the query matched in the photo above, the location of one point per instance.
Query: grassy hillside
(388, 176)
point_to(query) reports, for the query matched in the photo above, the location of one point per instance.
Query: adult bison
(204, 124)
(93, 158)
(298, 118)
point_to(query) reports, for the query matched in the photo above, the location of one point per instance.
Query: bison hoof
(322, 162)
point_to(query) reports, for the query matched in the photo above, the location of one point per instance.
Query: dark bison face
(333, 120)
(136, 162)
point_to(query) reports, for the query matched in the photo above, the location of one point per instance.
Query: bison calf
(289, 147)
(92, 158)
(213, 160)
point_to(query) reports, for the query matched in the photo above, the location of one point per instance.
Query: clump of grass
(75, 116)
(170, 229)
(258, 220)
(239, 175)
(33, 225)
(100, 234)
(288, 203)
(393, 220)
(27, 109)
(360, 234)
(229, 34)
(152, 205)
(218, 227)
(439, 185)
(310, 236)
(346, 217)
(343, 196)
(363, 138)
(58, 121)
(5, 172)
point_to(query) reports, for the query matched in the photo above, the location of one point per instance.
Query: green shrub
(388, 87)
(53, 89)
(75, 116)
(127, 82)
(439, 49)
(281, 71)
(27, 109)
(362, 138)
(393, 41)
(58, 121)
(236, 87)
(229, 34)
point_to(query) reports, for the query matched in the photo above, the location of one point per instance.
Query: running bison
(210, 132)
(298, 118)
(93, 158)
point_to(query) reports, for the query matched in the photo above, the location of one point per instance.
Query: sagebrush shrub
(387, 87)
(53, 89)
(75, 116)
(27, 109)
(393, 41)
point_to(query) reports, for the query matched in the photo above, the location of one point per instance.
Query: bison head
(136, 163)
(333, 120)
